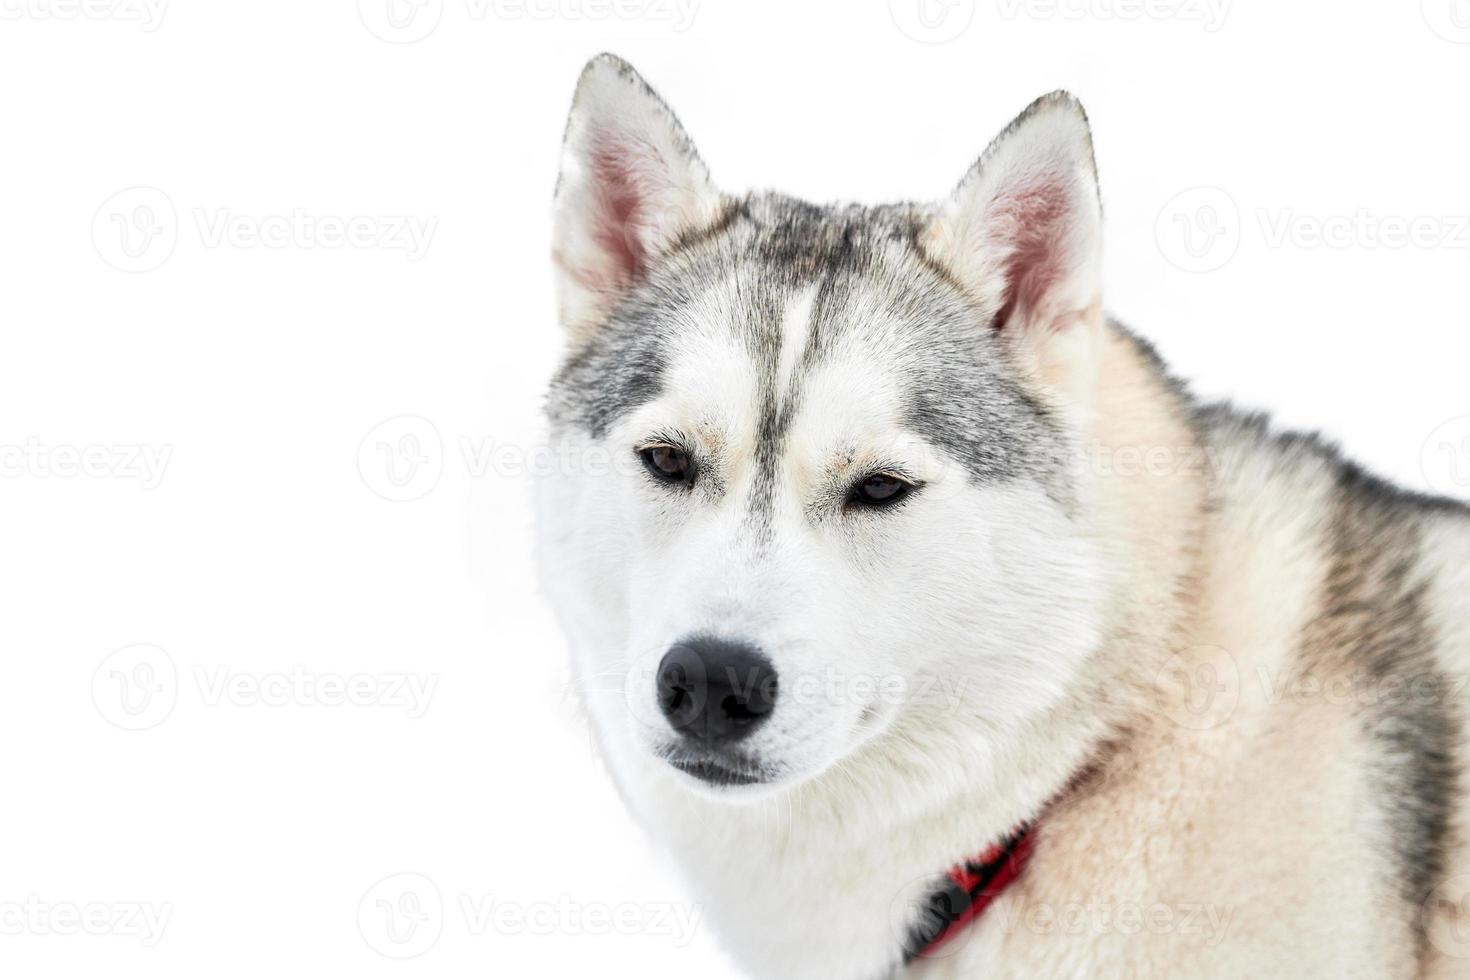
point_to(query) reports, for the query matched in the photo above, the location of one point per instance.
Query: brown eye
(668, 464)
(880, 490)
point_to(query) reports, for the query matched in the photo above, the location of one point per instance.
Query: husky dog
(934, 629)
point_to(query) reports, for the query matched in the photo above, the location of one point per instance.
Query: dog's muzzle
(715, 693)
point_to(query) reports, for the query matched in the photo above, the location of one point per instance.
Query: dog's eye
(668, 464)
(880, 490)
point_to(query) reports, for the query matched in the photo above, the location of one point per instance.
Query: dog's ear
(1023, 232)
(631, 185)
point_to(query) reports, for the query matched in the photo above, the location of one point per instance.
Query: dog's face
(815, 487)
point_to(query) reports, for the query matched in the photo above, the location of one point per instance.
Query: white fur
(1021, 634)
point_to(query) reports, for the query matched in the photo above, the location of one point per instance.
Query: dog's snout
(715, 691)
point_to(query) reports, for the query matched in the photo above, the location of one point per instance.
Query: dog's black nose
(715, 691)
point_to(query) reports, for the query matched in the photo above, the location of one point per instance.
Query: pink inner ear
(1031, 222)
(619, 174)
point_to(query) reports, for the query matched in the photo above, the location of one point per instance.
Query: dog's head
(814, 488)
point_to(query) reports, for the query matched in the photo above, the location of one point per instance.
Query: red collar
(966, 892)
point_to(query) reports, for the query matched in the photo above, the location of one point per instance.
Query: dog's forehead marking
(778, 397)
(775, 295)
(796, 334)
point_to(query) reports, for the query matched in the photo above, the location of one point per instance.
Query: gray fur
(968, 400)
(1374, 628)
(965, 398)
(1376, 614)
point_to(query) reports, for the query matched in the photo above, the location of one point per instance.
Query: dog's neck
(824, 879)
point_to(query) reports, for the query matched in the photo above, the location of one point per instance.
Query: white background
(260, 820)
